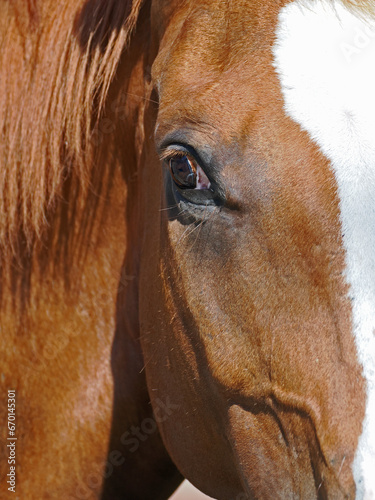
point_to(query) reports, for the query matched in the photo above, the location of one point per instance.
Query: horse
(186, 236)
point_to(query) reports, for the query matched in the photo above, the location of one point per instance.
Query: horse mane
(57, 62)
(362, 7)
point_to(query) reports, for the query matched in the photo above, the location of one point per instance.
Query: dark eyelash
(169, 154)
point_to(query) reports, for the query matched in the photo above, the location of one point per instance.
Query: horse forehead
(215, 58)
(204, 42)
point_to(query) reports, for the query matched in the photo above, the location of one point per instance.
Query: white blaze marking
(325, 59)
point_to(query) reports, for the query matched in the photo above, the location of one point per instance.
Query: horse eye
(187, 174)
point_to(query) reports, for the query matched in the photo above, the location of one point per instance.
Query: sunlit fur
(328, 89)
(238, 314)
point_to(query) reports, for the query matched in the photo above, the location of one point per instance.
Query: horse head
(256, 300)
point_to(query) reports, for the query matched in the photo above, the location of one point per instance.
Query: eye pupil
(183, 172)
